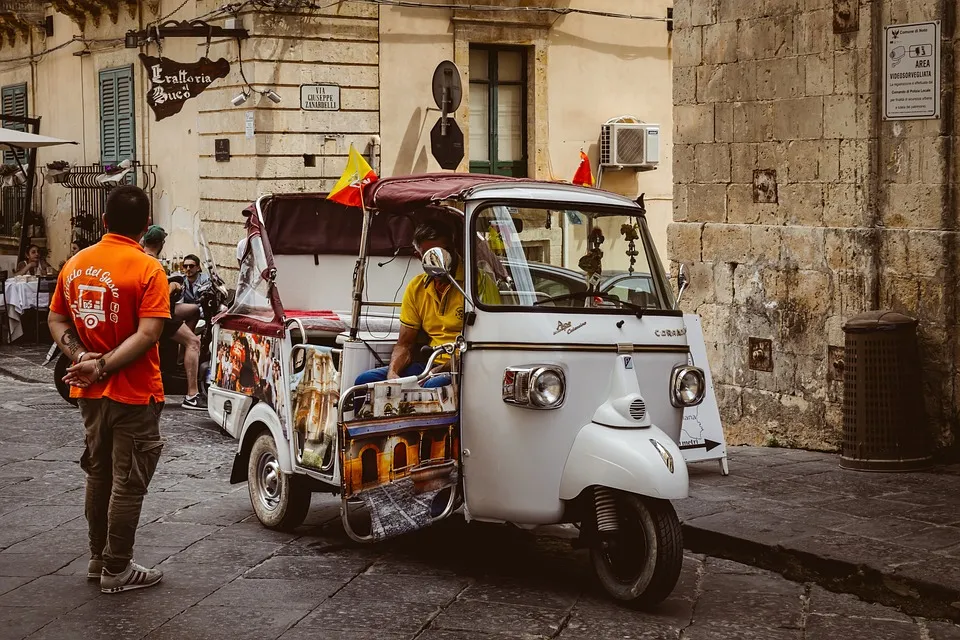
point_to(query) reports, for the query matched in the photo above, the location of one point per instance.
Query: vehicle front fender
(624, 459)
(260, 418)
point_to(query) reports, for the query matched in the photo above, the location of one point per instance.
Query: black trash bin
(885, 424)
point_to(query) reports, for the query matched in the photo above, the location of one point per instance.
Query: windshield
(595, 261)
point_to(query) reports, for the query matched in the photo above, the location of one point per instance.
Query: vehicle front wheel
(280, 500)
(60, 370)
(639, 562)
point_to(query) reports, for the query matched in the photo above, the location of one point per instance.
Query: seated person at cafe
(432, 305)
(188, 309)
(174, 329)
(75, 247)
(34, 265)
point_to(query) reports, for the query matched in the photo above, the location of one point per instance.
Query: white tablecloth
(20, 294)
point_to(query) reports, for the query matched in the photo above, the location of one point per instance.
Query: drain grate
(50, 406)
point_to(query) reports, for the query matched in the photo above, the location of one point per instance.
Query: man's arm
(148, 332)
(65, 335)
(402, 354)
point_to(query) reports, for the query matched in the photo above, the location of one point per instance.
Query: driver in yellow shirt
(433, 305)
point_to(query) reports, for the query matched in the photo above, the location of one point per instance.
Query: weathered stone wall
(336, 45)
(796, 206)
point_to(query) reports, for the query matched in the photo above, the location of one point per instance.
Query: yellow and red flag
(350, 185)
(583, 175)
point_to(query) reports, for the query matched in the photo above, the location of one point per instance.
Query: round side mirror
(437, 262)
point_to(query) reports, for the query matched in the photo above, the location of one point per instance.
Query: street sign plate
(447, 149)
(320, 97)
(911, 71)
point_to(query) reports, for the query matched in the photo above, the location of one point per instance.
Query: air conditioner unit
(630, 145)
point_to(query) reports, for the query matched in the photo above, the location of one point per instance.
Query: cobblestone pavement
(228, 577)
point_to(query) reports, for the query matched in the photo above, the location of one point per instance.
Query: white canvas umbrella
(13, 140)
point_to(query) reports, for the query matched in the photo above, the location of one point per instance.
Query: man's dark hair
(432, 230)
(128, 211)
(190, 256)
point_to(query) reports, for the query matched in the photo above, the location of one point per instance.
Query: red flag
(583, 175)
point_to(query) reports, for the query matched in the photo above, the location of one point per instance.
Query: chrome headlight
(537, 387)
(688, 385)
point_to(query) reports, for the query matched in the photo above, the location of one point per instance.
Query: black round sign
(447, 75)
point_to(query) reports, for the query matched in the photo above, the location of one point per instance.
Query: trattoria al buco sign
(172, 83)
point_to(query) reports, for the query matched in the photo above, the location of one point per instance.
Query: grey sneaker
(194, 403)
(94, 568)
(133, 577)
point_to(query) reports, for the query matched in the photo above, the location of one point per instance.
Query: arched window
(399, 456)
(368, 465)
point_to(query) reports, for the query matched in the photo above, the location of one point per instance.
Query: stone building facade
(565, 67)
(797, 206)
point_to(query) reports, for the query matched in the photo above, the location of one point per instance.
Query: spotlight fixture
(240, 98)
(274, 96)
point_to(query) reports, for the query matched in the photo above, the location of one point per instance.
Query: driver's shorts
(170, 327)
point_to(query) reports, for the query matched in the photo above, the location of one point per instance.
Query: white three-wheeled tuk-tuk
(562, 393)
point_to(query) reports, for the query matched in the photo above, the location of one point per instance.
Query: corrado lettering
(670, 333)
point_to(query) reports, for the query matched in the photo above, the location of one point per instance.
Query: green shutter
(13, 102)
(117, 123)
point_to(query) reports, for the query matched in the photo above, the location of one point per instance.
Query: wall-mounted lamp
(274, 96)
(131, 40)
(240, 98)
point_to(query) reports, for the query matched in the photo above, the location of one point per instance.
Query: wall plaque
(221, 149)
(172, 83)
(319, 97)
(911, 72)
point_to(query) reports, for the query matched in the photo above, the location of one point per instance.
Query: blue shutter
(13, 102)
(117, 123)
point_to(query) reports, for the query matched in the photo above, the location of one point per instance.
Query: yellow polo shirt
(441, 316)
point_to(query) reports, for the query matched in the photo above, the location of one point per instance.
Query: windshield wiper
(576, 295)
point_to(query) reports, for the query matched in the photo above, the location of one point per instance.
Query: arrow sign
(706, 444)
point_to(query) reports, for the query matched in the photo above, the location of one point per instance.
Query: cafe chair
(45, 284)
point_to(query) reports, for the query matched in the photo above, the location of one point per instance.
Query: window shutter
(13, 102)
(117, 122)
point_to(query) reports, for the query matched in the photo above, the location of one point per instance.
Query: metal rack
(89, 195)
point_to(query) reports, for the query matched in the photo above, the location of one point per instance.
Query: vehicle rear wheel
(60, 370)
(281, 501)
(639, 563)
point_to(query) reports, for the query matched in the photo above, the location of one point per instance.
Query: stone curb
(24, 370)
(913, 596)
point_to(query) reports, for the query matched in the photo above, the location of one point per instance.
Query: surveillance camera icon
(897, 55)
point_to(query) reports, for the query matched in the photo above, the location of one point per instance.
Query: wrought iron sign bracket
(181, 29)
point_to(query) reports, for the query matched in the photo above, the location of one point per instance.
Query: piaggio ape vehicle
(564, 404)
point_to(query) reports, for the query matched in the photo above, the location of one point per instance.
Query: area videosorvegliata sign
(172, 83)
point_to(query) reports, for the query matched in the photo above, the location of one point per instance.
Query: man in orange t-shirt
(106, 314)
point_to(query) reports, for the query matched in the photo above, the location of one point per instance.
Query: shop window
(117, 116)
(498, 110)
(13, 101)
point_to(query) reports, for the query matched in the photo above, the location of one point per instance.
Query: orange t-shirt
(106, 289)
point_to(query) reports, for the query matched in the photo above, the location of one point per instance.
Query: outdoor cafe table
(20, 294)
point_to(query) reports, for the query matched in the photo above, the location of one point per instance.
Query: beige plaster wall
(63, 91)
(585, 70)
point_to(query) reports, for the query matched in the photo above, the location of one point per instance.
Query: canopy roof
(403, 194)
(12, 140)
